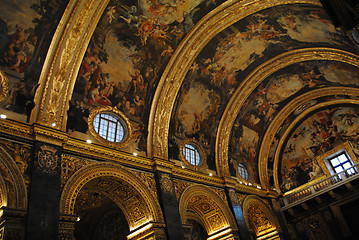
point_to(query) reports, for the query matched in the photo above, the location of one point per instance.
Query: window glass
(341, 162)
(109, 127)
(192, 155)
(243, 172)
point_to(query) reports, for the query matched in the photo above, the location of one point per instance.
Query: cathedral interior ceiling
(245, 79)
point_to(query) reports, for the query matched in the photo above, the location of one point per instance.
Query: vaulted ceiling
(267, 84)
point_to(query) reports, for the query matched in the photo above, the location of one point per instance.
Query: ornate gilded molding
(63, 61)
(253, 80)
(97, 170)
(289, 108)
(4, 86)
(16, 129)
(48, 135)
(114, 111)
(101, 152)
(178, 66)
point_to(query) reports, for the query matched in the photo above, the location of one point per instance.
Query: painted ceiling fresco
(24, 39)
(272, 95)
(316, 135)
(229, 58)
(127, 54)
(131, 47)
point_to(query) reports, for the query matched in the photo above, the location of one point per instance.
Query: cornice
(16, 129)
(253, 80)
(80, 147)
(178, 66)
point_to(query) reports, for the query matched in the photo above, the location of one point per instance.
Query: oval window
(243, 172)
(109, 127)
(192, 154)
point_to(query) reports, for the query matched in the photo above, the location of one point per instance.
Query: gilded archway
(127, 191)
(260, 218)
(203, 205)
(12, 185)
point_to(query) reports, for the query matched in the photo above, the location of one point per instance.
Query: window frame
(127, 131)
(201, 152)
(245, 168)
(341, 164)
(324, 159)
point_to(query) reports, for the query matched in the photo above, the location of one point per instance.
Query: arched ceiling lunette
(63, 61)
(269, 137)
(176, 70)
(252, 81)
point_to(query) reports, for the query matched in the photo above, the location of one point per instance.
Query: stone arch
(144, 201)
(202, 204)
(12, 185)
(260, 219)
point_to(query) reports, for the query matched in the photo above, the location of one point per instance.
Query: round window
(192, 154)
(109, 127)
(243, 172)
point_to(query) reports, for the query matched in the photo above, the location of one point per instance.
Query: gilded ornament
(166, 183)
(4, 86)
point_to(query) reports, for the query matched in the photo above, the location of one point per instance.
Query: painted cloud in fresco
(168, 11)
(308, 28)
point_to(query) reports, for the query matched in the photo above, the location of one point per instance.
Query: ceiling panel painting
(318, 134)
(230, 56)
(272, 95)
(24, 39)
(128, 52)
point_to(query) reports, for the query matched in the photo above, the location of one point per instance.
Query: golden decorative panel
(166, 183)
(207, 206)
(258, 220)
(69, 165)
(12, 181)
(180, 186)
